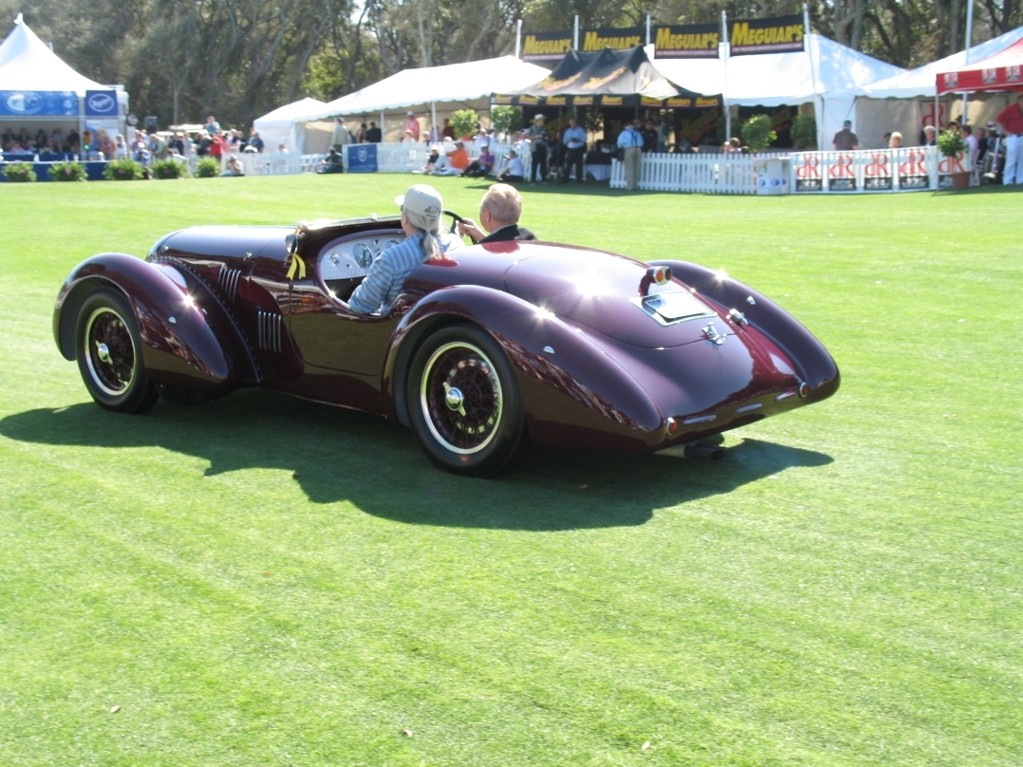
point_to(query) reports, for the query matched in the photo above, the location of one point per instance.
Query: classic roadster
(487, 346)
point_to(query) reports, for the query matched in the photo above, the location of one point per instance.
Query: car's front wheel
(110, 354)
(464, 402)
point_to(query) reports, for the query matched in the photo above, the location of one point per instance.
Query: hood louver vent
(229, 279)
(270, 331)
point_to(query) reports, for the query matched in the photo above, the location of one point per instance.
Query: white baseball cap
(423, 205)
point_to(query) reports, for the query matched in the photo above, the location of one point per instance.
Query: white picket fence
(880, 170)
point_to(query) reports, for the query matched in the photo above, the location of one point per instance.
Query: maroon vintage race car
(487, 346)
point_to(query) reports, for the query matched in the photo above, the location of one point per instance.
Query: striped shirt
(387, 275)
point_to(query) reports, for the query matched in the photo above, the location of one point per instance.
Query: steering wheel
(455, 220)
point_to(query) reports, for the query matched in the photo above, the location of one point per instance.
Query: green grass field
(263, 581)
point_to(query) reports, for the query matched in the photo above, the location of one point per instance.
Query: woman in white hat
(421, 210)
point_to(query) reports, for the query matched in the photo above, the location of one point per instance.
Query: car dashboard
(343, 263)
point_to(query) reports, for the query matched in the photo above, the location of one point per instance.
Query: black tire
(464, 402)
(109, 351)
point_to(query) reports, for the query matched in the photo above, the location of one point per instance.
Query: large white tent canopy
(827, 74)
(281, 125)
(419, 87)
(919, 82)
(28, 64)
(907, 102)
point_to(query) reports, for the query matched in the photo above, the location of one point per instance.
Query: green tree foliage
(238, 59)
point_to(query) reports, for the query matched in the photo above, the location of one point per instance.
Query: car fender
(180, 347)
(565, 375)
(758, 313)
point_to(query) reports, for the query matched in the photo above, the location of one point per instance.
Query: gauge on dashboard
(363, 256)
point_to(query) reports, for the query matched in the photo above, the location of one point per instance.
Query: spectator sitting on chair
(482, 165)
(513, 169)
(331, 163)
(431, 161)
(454, 161)
(233, 167)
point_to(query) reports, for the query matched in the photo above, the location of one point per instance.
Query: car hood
(603, 291)
(224, 242)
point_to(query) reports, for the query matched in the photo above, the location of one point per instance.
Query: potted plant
(503, 119)
(757, 133)
(67, 171)
(465, 123)
(208, 167)
(20, 171)
(951, 145)
(169, 169)
(804, 131)
(124, 170)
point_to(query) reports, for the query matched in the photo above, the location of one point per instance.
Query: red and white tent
(1002, 71)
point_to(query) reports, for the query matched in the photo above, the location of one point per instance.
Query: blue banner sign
(362, 158)
(101, 103)
(44, 103)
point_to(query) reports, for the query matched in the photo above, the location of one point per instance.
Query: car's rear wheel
(109, 351)
(464, 402)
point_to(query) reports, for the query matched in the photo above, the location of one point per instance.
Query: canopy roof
(284, 116)
(1001, 72)
(826, 69)
(27, 64)
(431, 85)
(606, 77)
(920, 82)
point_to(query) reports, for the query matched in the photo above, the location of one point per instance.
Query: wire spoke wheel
(110, 354)
(461, 395)
(464, 402)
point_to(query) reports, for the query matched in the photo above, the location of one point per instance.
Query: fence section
(869, 170)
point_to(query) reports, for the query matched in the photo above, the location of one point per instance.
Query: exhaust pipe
(708, 450)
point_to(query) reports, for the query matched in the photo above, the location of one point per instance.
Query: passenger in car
(421, 209)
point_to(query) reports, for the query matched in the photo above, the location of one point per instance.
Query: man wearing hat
(421, 209)
(845, 140)
(537, 135)
(340, 137)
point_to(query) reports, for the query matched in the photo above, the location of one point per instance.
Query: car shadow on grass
(338, 455)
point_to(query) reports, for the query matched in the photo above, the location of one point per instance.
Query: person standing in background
(845, 140)
(574, 140)
(1011, 120)
(630, 141)
(537, 135)
(412, 125)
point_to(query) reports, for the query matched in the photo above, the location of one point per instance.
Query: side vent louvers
(270, 331)
(229, 279)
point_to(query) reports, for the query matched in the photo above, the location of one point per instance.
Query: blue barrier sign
(362, 158)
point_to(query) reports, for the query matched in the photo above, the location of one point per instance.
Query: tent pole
(814, 57)
(723, 55)
(969, 40)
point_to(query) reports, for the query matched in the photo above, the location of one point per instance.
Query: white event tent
(907, 102)
(281, 125)
(38, 89)
(826, 74)
(422, 89)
